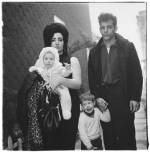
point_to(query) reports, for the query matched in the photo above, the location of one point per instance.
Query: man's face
(107, 30)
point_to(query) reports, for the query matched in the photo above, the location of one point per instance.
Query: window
(58, 20)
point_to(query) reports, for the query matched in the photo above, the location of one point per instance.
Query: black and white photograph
(74, 76)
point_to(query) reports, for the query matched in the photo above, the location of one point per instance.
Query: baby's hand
(39, 70)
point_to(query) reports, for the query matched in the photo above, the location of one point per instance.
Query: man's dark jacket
(131, 73)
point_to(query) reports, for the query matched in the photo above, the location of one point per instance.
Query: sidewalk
(141, 129)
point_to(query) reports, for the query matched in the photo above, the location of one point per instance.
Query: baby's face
(88, 106)
(48, 60)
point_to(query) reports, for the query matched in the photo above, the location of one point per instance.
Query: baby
(90, 130)
(48, 64)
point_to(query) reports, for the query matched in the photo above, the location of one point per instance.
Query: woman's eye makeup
(53, 39)
(60, 39)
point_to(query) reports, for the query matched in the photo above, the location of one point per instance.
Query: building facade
(23, 24)
(142, 22)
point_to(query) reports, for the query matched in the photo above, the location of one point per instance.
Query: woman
(64, 136)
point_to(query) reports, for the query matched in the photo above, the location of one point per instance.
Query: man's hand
(102, 104)
(134, 106)
(95, 148)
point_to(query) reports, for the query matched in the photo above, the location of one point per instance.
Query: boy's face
(16, 130)
(107, 30)
(48, 60)
(88, 106)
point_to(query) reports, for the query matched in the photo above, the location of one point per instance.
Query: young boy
(90, 130)
(48, 64)
(15, 138)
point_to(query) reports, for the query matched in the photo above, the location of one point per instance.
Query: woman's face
(58, 42)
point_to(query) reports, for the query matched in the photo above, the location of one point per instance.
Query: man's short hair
(103, 17)
(87, 96)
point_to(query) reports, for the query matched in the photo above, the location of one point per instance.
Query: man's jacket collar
(119, 40)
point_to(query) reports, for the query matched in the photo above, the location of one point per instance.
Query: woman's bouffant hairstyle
(49, 31)
(107, 16)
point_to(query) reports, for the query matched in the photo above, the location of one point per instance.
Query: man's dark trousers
(119, 134)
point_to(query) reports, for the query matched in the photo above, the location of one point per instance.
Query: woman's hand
(67, 66)
(56, 80)
(75, 81)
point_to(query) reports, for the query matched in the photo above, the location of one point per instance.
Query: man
(115, 78)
